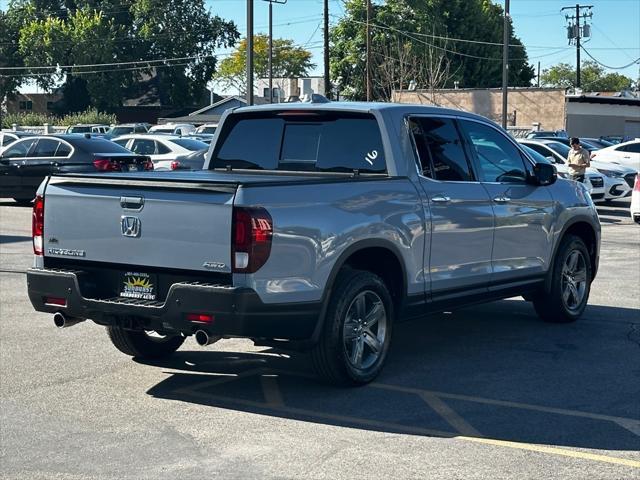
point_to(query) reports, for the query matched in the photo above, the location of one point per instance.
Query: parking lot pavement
(484, 392)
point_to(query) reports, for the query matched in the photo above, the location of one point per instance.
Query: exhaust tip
(59, 320)
(203, 338)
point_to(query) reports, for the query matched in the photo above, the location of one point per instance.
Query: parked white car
(635, 200)
(173, 128)
(165, 151)
(593, 180)
(207, 128)
(618, 179)
(627, 154)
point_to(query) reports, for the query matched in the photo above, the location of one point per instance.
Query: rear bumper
(237, 312)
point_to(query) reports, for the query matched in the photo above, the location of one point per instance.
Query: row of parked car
(26, 158)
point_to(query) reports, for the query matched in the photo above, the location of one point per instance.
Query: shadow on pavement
(14, 238)
(492, 371)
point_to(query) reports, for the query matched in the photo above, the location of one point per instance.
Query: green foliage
(35, 119)
(26, 119)
(593, 78)
(89, 32)
(424, 27)
(91, 115)
(289, 61)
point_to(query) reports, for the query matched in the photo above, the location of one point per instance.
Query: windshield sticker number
(371, 156)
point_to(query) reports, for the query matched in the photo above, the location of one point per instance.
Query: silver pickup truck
(315, 227)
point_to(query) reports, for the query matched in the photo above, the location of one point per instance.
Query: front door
(523, 211)
(459, 260)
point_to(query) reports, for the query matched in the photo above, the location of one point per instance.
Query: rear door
(11, 168)
(40, 162)
(523, 212)
(459, 260)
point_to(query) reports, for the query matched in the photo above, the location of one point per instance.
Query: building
(290, 89)
(583, 115)
(42, 103)
(212, 113)
(593, 115)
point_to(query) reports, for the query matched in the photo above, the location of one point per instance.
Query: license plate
(140, 285)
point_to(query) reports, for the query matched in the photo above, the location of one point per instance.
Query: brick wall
(525, 106)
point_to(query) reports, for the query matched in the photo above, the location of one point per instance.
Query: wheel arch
(581, 227)
(378, 256)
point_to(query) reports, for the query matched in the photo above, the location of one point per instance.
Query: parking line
(275, 402)
(449, 415)
(553, 451)
(630, 424)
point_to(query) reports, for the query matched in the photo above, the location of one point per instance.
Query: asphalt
(479, 393)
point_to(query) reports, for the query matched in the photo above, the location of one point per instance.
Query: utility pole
(505, 63)
(327, 81)
(575, 32)
(271, 2)
(538, 74)
(249, 52)
(368, 50)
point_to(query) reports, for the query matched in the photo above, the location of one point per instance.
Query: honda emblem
(130, 226)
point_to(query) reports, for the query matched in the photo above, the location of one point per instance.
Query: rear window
(190, 144)
(301, 141)
(115, 131)
(99, 145)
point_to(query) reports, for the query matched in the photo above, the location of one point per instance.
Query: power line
(49, 67)
(637, 60)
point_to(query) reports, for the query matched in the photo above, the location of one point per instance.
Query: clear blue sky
(539, 23)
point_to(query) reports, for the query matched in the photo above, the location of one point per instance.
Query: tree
(430, 27)
(80, 32)
(289, 61)
(594, 78)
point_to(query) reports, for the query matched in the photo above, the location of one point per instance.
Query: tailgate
(136, 222)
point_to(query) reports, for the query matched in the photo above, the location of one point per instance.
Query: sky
(615, 39)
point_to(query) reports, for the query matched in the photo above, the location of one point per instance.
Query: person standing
(578, 160)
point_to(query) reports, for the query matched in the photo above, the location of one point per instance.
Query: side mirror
(544, 174)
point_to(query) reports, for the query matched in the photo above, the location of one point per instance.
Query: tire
(140, 344)
(570, 283)
(24, 202)
(345, 353)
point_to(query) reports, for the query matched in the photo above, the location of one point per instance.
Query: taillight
(148, 165)
(200, 317)
(106, 165)
(37, 225)
(175, 165)
(636, 185)
(251, 243)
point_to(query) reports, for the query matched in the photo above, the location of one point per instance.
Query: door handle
(501, 199)
(440, 199)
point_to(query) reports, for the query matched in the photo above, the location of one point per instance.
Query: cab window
(439, 147)
(498, 159)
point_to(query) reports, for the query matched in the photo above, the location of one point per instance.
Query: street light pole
(505, 63)
(271, 2)
(249, 52)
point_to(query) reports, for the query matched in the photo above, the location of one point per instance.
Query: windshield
(537, 157)
(163, 130)
(117, 131)
(78, 129)
(190, 144)
(301, 140)
(559, 148)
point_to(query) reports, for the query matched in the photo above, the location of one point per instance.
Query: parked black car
(26, 162)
